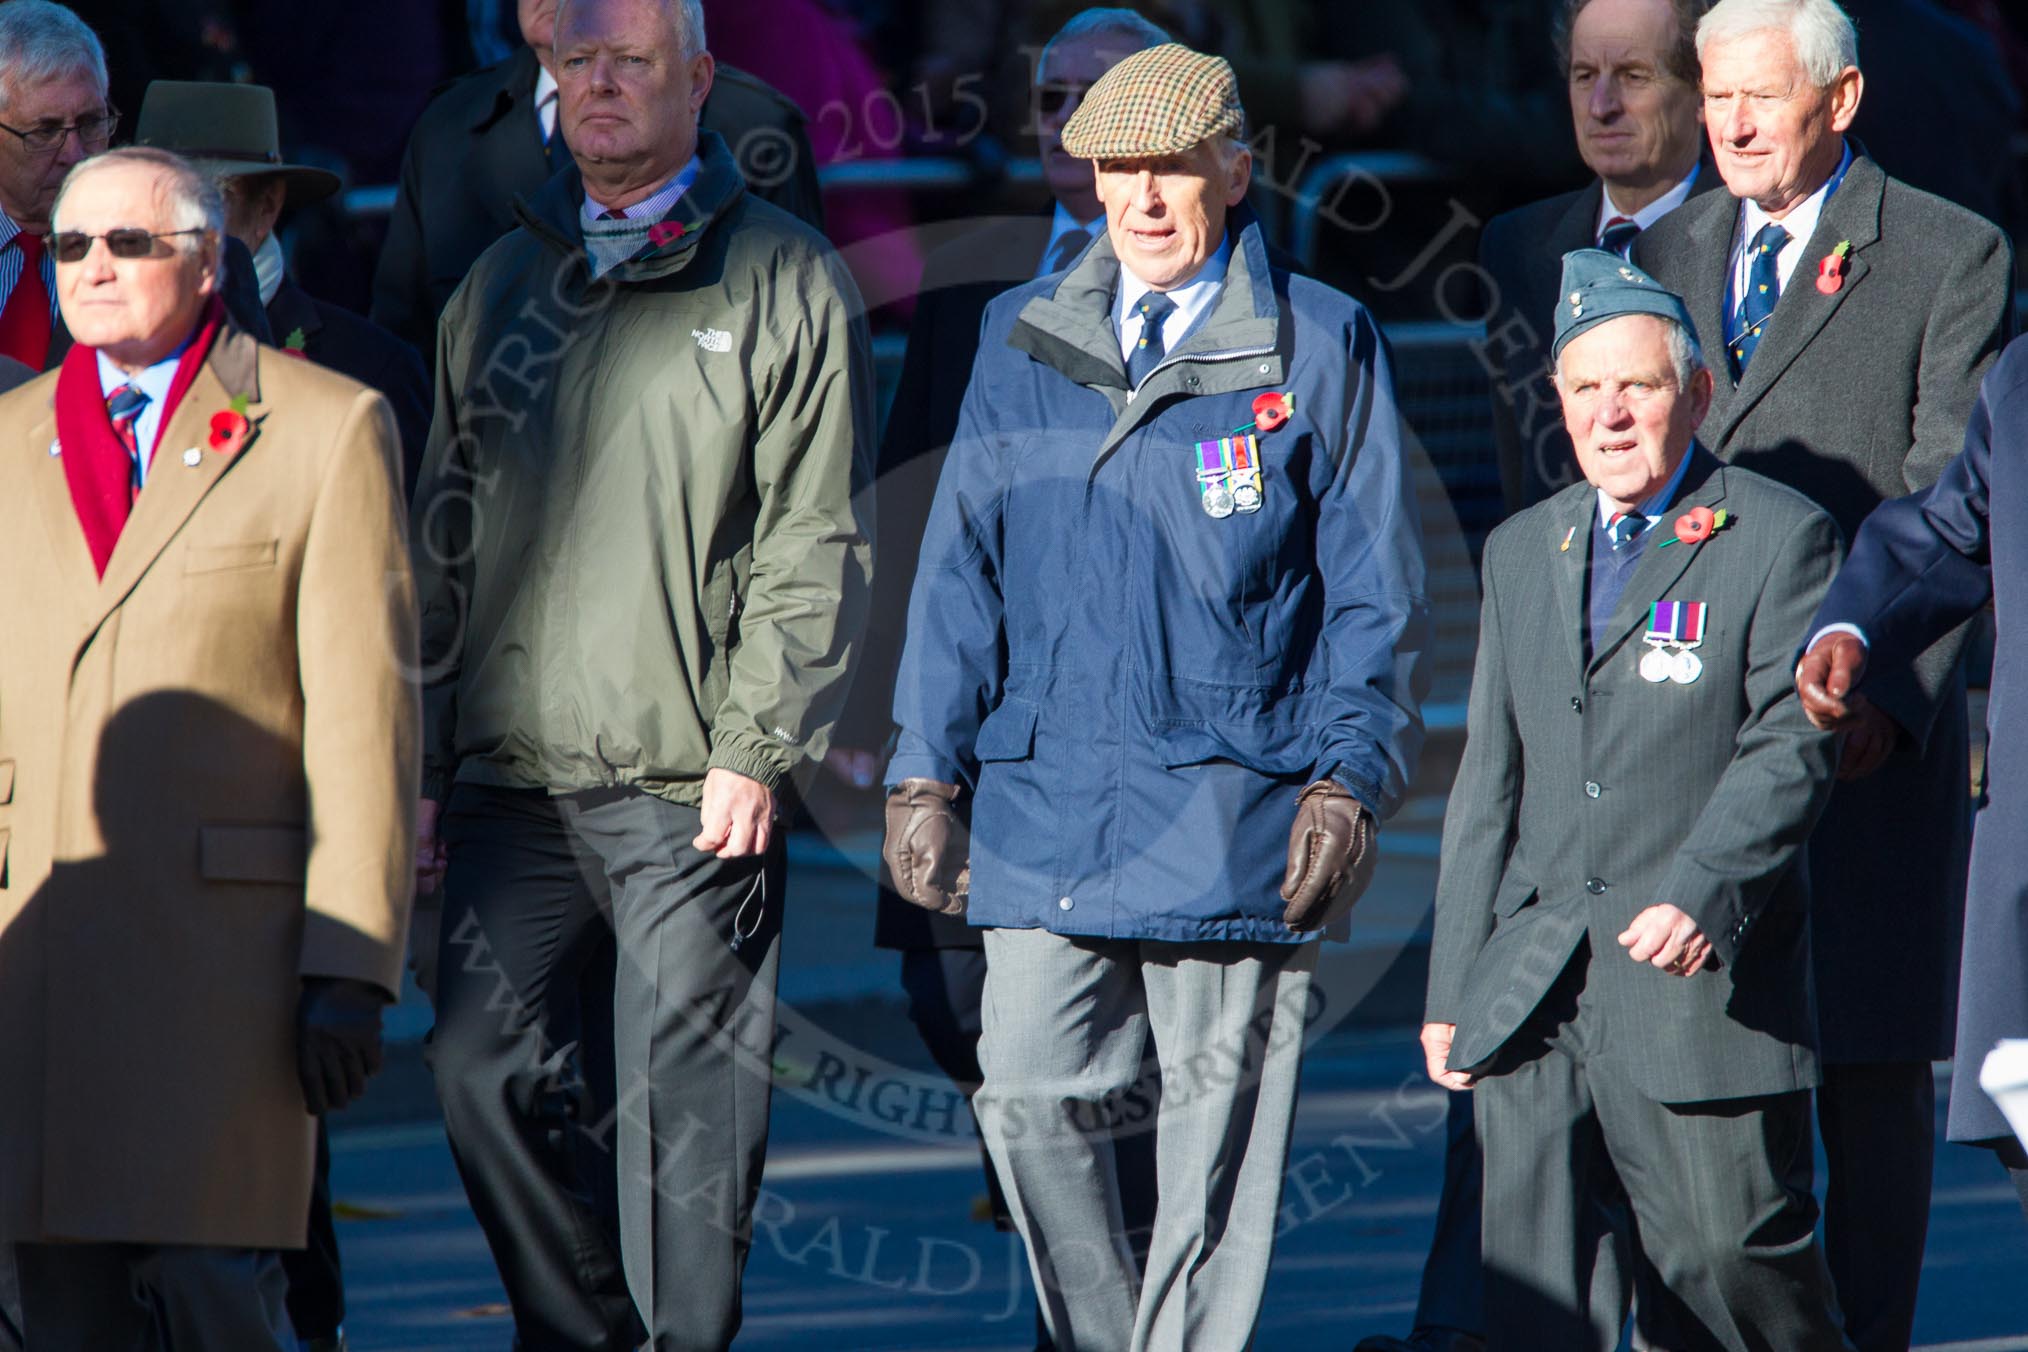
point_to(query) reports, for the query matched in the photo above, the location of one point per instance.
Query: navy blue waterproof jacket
(1133, 690)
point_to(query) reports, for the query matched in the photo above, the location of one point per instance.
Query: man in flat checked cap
(1621, 956)
(1167, 636)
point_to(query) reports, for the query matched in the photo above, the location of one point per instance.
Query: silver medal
(1217, 500)
(1246, 496)
(1657, 666)
(1686, 667)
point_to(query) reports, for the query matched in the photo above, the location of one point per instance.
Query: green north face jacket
(641, 535)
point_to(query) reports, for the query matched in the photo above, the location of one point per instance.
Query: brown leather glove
(927, 850)
(1331, 856)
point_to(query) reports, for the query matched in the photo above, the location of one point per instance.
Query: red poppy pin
(665, 232)
(1696, 526)
(295, 343)
(1832, 266)
(1272, 409)
(230, 427)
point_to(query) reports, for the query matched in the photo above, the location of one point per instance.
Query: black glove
(337, 1040)
(927, 849)
(1331, 856)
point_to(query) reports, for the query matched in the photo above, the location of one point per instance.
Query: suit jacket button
(1576, 705)
(1594, 885)
(1591, 789)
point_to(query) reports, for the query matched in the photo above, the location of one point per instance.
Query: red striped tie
(125, 405)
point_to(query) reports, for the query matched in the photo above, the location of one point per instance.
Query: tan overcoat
(208, 771)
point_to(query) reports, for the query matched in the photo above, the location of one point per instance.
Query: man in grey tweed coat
(1848, 357)
(1621, 958)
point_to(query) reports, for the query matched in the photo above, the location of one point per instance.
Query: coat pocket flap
(220, 558)
(1514, 894)
(1007, 734)
(6, 781)
(254, 854)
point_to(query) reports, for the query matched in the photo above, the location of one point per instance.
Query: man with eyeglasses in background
(53, 113)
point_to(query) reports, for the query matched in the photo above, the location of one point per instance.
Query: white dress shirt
(1192, 299)
(1647, 215)
(545, 103)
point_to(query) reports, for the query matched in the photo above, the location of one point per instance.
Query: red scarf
(95, 460)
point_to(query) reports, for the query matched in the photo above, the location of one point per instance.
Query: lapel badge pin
(1832, 267)
(55, 449)
(1568, 535)
(193, 457)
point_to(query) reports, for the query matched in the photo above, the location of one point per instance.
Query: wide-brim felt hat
(227, 131)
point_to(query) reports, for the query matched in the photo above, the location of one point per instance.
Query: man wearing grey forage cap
(1621, 957)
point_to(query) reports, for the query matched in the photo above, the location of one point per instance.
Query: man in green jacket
(642, 573)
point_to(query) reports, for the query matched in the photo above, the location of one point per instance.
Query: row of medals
(1673, 663)
(1224, 492)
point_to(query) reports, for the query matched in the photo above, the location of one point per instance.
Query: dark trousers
(1879, 1127)
(538, 891)
(152, 1298)
(316, 1277)
(1453, 1294)
(1720, 1193)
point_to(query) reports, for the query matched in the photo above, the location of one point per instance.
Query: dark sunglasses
(1053, 98)
(71, 246)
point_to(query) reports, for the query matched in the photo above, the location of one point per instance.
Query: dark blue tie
(1147, 352)
(1626, 528)
(1763, 289)
(1618, 236)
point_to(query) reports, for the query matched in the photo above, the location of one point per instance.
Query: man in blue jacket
(1173, 575)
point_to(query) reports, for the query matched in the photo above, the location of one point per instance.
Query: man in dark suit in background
(1632, 72)
(943, 960)
(491, 137)
(229, 131)
(1850, 318)
(1621, 958)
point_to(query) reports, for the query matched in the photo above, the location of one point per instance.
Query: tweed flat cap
(1156, 102)
(1599, 285)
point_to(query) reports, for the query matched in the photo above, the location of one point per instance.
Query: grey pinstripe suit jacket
(1587, 794)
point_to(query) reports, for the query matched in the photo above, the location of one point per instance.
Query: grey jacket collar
(1242, 344)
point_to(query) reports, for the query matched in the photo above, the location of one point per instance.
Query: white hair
(685, 16)
(40, 41)
(1686, 357)
(1825, 40)
(194, 200)
(1137, 32)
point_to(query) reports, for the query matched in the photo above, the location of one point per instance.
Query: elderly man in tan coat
(208, 765)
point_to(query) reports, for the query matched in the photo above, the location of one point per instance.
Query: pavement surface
(867, 1234)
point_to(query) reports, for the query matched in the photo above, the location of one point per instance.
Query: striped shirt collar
(648, 208)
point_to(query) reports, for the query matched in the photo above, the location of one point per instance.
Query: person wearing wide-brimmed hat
(1166, 636)
(229, 132)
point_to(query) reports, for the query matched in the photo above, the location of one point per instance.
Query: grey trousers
(152, 1298)
(1720, 1194)
(1065, 1024)
(537, 890)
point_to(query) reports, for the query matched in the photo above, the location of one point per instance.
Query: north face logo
(712, 340)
